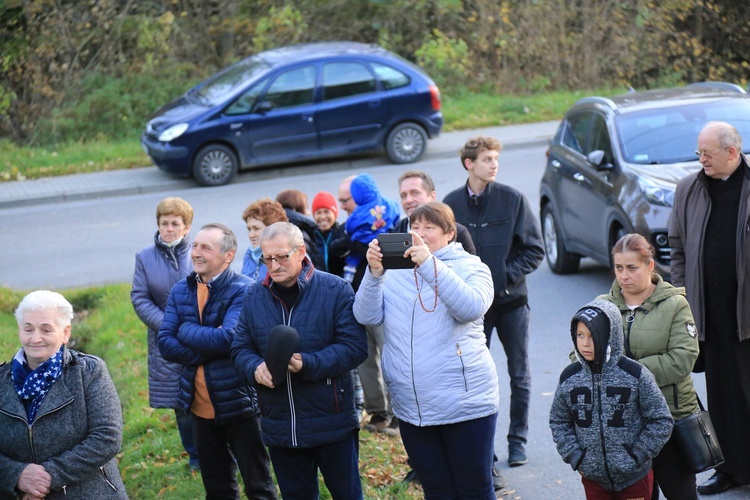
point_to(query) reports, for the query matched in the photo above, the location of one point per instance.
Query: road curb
(163, 182)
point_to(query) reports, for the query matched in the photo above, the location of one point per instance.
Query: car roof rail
(719, 86)
(605, 101)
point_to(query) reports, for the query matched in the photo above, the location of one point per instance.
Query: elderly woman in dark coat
(59, 412)
(157, 268)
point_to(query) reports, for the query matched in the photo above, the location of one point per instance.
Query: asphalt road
(78, 243)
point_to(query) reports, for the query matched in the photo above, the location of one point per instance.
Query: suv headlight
(173, 132)
(655, 193)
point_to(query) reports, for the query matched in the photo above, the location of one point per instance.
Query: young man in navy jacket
(507, 237)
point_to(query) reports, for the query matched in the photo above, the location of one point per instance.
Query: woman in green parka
(660, 334)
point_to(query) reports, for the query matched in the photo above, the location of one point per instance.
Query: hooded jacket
(663, 338)
(609, 418)
(157, 269)
(75, 436)
(374, 213)
(314, 406)
(437, 365)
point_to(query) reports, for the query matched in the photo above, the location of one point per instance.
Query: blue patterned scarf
(33, 385)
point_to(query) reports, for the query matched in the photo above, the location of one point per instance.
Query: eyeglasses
(345, 200)
(709, 156)
(280, 259)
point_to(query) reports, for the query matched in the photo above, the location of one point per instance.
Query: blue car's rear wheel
(406, 143)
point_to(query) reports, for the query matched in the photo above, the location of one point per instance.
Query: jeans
(297, 470)
(220, 445)
(453, 461)
(185, 427)
(513, 330)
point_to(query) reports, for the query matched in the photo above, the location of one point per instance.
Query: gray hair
(727, 134)
(287, 229)
(228, 239)
(47, 301)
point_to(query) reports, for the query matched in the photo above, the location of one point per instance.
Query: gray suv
(614, 163)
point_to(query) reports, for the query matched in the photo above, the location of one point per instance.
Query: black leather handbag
(697, 439)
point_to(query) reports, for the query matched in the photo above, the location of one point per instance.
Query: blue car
(294, 104)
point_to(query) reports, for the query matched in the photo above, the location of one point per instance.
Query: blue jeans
(185, 427)
(513, 330)
(297, 470)
(453, 461)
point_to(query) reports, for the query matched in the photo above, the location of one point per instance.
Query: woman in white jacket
(439, 372)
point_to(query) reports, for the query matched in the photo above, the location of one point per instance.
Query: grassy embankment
(152, 462)
(463, 111)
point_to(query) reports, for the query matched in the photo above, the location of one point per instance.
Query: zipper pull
(458, 349)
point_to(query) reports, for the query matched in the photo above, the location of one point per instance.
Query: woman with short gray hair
(59, 412)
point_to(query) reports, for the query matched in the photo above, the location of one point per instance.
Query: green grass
(152, 461)
(18, 163)
(463, 110)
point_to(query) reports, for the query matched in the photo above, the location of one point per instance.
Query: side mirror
(596, 159)
(263, 107)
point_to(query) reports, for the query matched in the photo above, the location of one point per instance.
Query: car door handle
(375, 103)
(555, 164)
(235, 126)
(307, 118)
(579, 177)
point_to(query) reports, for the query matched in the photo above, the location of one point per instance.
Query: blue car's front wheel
(215, 165)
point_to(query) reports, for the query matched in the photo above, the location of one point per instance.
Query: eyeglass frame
(709, 156)
(279, 259)
(345, 201)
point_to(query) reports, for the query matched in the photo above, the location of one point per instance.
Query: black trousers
(673, 474)
(219, 446)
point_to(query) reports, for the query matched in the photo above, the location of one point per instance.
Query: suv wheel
(215, 165)
(406, 143)
(559, 259)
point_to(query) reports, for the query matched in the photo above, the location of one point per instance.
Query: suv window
(292, 88)
(344, 79)
(600, 139)
(576, 129)
(391, 78)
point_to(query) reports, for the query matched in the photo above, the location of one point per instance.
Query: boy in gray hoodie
(608, 418)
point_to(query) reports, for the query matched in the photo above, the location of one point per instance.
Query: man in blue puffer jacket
(308, 416)
(197, 330)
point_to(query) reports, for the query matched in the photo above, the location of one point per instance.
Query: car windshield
(216, 89)
(670, 134)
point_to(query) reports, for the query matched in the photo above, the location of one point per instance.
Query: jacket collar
(216, 284)
(303, 278)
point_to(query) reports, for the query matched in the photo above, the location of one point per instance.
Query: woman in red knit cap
(325, 210)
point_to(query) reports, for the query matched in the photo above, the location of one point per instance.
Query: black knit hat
(598, 324)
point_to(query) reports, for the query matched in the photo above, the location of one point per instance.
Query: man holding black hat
(308, 417)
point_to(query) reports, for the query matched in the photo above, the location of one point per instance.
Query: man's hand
(295, 364)
(375, 259)
(263, 375)
(35, 481)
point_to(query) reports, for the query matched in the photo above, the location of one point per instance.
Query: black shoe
(516, 455)
(497, 480)
(377, 423)
(412, 477)
(717, 483)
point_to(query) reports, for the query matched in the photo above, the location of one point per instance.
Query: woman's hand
(418, 252)
(35, 481)
(375, 259)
